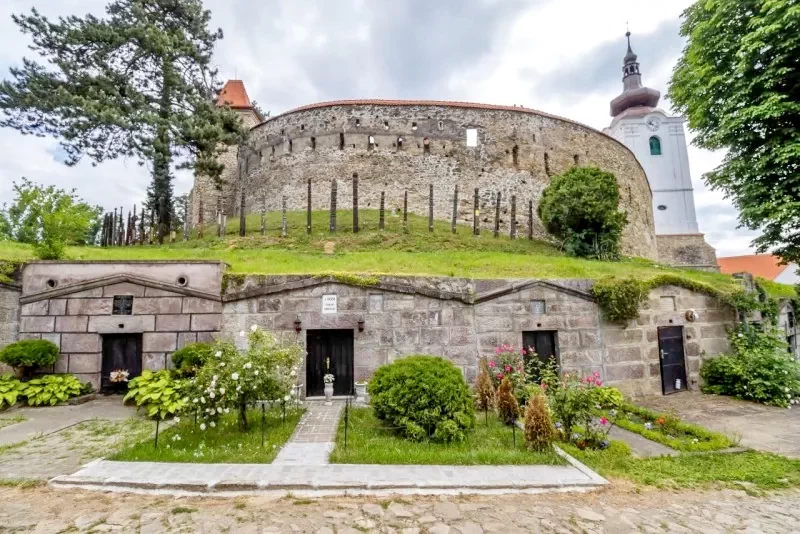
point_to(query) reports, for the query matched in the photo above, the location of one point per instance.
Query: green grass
(369, 442)
(223, 444)
(22, 483)
(393, 251)
(8, 421)
(681, 436)
(764, 471)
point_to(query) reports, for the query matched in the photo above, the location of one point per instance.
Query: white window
(472, 137)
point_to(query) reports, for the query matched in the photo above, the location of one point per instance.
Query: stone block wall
(9, 317)
(687, 250)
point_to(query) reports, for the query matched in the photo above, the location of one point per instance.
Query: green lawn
(370, 251)
(369, 442)
(762, 470)
(186, 442)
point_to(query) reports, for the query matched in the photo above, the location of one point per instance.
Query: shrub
(484, 390)
(187, 360)
(572, 400)
(232, 378)
(11, 389)
(580, 208)
(29, 354)
(607, 398)
(506, 402)
(539, 431)
(426, 397)
(507, 362)
(158, 393)
(760, 368)
(51, 389)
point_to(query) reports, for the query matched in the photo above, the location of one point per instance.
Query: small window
(667, 304)
(290, 145)
(385, 125)
(515, 156)
(662, 207)
(302, 126)
(123, 305)
(413, 125)
(313, 143)
(341, 141)
(441, 125)
(358, 122)
(538, 307)
(472, 137)
(426, 143)
(655, 146)
(400, 142)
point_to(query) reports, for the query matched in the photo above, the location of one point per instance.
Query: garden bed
(669, 430)
(187, 442)
(369, 441)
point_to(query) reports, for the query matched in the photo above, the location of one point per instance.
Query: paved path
(641, 447)
(46, 420)
(314, 437)
(760, 427)
(615, 511)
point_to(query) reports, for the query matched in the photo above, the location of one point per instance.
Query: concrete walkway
(760, 427)
(314, 437)
(641, 447)
(41, 421)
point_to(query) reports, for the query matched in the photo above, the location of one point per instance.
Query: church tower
(659, 143)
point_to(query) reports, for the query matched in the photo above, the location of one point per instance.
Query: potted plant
(328, 379)
(361, 389)
(119, 380)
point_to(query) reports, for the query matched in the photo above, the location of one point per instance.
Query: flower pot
(328, 392)
(361, 392)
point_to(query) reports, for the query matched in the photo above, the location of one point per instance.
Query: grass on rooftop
(391, 251)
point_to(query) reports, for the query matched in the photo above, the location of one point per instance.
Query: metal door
(673, 361)
(329, 351)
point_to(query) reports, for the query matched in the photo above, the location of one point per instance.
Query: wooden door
(673, 361)
(544, 343)
(329, 351)
(121, 351)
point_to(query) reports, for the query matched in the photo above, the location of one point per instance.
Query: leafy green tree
(580, 208)
(49, 218)
(738, 82)
(137, 83)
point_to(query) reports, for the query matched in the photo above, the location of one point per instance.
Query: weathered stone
(72, 323)
(39, 307)
(90, 306)
(37, 323)
(374, 510)
(159, 342)
(186, 338)
(399, 510)
(157, 305)
(58, 307)
(122, 324)
(80, 343)
(447, 511)
(589, 515)
(172, 322)
(206, 322)
(200, 305)
(124, 288)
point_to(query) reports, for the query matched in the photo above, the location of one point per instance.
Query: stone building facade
(399, 146)
(9, 314)
(82, 308)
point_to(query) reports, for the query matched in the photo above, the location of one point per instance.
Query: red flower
(508, 368)
(543, 385)
(660, 421)
(499, 376)
(599, 383)
(491, 363)
(603, 421)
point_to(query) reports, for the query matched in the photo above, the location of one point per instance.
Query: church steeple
(633, 93)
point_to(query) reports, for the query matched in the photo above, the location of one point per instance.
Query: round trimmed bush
(189, 359)
(426, 397)
(29, 354)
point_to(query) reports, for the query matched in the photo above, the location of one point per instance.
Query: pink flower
(603, 421)
(599, 383)
(543, 385)
(596, 373)
(508, 368)
(491, 363)
(524, 352)
(499, 376)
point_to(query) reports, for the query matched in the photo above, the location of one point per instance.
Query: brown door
(544, 343)
(121, 351)
(673, 361)
(329, 351)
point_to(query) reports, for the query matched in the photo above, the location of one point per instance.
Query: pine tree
(137, 83)
(506, 402)
(484, 389)
(539, 431)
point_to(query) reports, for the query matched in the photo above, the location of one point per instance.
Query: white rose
(235, 376)
(219, 409)
(286, 397)
(293, 373)
(227, 410)
(786, 390)
(255, 372)
(292, 392)
(203, 400)
(202, 426)
(218, 354)
(214, 378)
(195, 401)
(254, 328)
(241, 334)
(238, 388)
(222, 391)
(211, 395)
(248, 365)
(212, 424)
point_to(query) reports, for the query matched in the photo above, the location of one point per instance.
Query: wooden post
(476, 214)
(283, 217)
(430, 208)
(114, 228)
(242, 216)
(333, 206)
(150, 228)
(497, 215)
(455, 209)
(264, 216)
(513, 216)
(381, 212)
(200, 220)
(530, 220)
(224, 226)
(308, 208)
(405, 211)
(219, 223)
(355, 202)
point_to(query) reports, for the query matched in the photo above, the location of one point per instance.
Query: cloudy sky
(559, 56)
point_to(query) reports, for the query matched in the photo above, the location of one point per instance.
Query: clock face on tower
(652, 123)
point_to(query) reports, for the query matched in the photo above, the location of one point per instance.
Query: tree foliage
(738, 82)
(580, 208)
(137, 83)
(484, 389)
(48, 218)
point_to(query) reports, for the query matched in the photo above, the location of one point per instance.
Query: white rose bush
(232, 378)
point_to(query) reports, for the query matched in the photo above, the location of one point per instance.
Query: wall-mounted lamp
(360, 324)
(297, 324)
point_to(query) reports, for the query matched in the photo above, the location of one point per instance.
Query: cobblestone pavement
(43, 510)
(765, 428)
(314, 437)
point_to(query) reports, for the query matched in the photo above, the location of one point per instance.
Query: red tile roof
(234, 95)
(763, 265)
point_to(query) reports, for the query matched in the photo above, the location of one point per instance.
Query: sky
(559, 56)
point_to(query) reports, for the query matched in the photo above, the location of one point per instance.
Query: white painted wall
(789, 275)
(668, 174)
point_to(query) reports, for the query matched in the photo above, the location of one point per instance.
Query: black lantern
(297, 324)
(360, 324)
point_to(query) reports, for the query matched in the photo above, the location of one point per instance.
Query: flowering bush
(507, 362)
(760, 368)
(232, 378)
(573, 401)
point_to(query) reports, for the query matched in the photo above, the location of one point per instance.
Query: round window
(51, 283)
(662, 207)
(182, 280)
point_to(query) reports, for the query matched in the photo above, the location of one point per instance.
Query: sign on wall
(328, 303)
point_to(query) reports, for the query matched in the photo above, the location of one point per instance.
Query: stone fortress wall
(397, 146)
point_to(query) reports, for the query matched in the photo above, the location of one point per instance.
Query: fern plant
(159, 394)
(51, 389)
(11, 389)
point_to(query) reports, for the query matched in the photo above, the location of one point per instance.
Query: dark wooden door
(673, 361)
(329, 351)
(544, 343)
(121, 351)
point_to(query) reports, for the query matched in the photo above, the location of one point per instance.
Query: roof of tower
(634, 94)
(630, 57)
(234, 95)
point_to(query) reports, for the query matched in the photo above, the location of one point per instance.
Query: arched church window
(655, 146)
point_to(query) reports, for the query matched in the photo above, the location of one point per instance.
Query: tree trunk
(162, 155)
